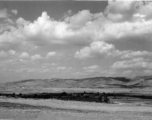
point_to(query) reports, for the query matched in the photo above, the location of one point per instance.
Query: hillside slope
(94, 83)
(141, 81)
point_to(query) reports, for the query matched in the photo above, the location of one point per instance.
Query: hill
(140, 81)
(93, 83)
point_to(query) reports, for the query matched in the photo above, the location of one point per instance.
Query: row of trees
(84, 96)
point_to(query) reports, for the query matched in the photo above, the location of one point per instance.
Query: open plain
(75, 59)
(21, 109)
(128, 100)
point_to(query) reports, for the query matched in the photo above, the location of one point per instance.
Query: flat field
(51, 109)
(120, 108)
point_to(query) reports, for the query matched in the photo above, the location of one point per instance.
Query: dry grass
(28, 109)
(83, 106)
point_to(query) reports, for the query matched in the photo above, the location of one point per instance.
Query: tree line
(83, 96)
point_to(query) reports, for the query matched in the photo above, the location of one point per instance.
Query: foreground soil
(28, 109)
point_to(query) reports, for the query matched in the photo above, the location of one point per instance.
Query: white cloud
(98, 47)
(128, 72)
(3, 13)
(129, 19)
(109, 72)
(14, 12)
(145, 9)
(119, 31)
(64, 69)
(92, 27)
(50, 54)
(79, 20)
(83, 53)
(3, 54)
(89, 34)
(132, 73)
(93, 68)
(53, 64)
(136, 63)
(12, 52)
(133, 54)
(24, 55)
(61, 68)
(21, 22)
(45, 31)
(122, 10)
(148, 72)
(36, 57)
(6, 23)
(126, 54)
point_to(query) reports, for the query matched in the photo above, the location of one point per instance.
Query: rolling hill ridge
(94, 83)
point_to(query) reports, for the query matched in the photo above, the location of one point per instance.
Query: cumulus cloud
(7, 53)
(136, 63)
(6, 23)
(127, 21)
(145, 9)
(133, 67)
(128, 72)
(21, 22)
(36, 57)
(3, 54)
(133, 54)
(93, 68)
(128, 54)
(3, 13)
(124, 30)
(86, 34)
(123, 10)
(14, 12)
(12, 52)
(80, 19)
(50, 54)
(24, 55)
(148, 72)
(45, 31)
(98, 47)
(61, 68)
(120, 10)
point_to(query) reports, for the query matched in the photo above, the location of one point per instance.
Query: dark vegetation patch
(123, 79)
(90, 97)
(80, 96)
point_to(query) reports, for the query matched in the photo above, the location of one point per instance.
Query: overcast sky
(75, 39)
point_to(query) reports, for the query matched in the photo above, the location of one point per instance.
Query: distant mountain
(94, 82)
(140, 81)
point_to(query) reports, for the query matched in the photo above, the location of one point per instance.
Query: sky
(75, 39)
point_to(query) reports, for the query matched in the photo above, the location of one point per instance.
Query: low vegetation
(90, 97)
